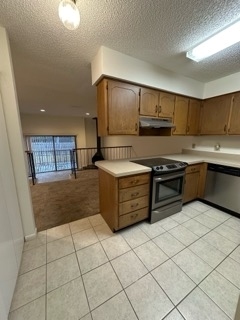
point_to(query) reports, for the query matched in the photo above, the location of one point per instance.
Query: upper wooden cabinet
(234, 121)
(180, 115)
(215, 114)
(194, 110)
(155, 103)
(118, 105)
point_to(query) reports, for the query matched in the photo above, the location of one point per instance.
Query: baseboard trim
(31, 236)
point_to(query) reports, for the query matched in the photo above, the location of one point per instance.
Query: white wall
(52, 125)
(150, 146)
(223, 85)
(114, 64)
(14, 133)
(11, 198)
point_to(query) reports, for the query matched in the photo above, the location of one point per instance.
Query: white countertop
(120, 168)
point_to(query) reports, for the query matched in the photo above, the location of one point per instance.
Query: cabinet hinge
(139, 93)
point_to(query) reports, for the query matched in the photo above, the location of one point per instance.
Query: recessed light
(87, 113)
(42, 110)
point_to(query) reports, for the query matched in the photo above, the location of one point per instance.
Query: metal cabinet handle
(159, 109)
(134, 181)
(156, 109)
(225, 128)
(134, 205)
(135, 194)
(136, 127)
(133, 216)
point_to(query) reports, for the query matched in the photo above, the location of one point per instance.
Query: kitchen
(169, 145)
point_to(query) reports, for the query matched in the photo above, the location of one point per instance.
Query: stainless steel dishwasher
(223, 186)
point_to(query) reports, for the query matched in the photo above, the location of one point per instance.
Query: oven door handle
(169, 177)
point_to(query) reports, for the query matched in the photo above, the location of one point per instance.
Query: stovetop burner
(162, 165)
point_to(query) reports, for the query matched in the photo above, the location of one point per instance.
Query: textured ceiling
(52, 65)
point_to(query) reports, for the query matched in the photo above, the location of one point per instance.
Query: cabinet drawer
(133, 205)
(133, 193)
(133, 217)
(132, 181)
(193, 168)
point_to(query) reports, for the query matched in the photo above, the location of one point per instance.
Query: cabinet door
(123, 104)
(194, 110)
(234, 124)
(191, 186)
(180, 115)
(215, 113)
(166, 104)
(149, 102)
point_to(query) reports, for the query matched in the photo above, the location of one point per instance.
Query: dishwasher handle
(224, 169)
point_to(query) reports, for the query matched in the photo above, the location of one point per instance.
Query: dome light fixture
(69, 14)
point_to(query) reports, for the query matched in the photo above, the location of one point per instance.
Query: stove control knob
(161, 167)
(157, 168)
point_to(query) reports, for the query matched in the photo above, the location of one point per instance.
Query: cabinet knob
(134, 181)
(134, 205)
(156, 109)
(136, 127)
(225, 128)
(134, 216)
(135, 194)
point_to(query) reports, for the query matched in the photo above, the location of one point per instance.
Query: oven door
(167, 188)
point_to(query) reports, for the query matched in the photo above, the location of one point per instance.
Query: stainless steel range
(166, 186)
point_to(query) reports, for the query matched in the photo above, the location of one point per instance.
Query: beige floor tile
(30, 286)
(156, 304)
(235, 255)
(222, 292)
(80, 225)
(84, 239)
(218, 241)
(207, 221)
(91, 257)
(190, 211)
(196, 227)
(183, 235)
(218, 215)
(33, 310)
(230, 269)
(87, 317)
(180, 217)
(233, 223)
(134, 236)
(229, 233)
(32, 259)
(41, 239)
(58, 232)
(207, 253)
(192, 265)
(174, 315)
(59, 248)
(115, 246)
(128, 268)
(96, 219)
(62, 271)
(117, 308)
(197, 305)
(167, 223)
(103, 231)
(151, 255)
(199, 206)
(67, 302)
(168, 244)
(151, 230)
(101, 284)
(175, 283)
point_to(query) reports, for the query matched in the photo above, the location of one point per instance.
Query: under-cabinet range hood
(145, 122)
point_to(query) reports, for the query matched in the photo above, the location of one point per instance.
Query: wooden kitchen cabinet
(215, 114)
(195, 178)
(118, 108)
(125, 200)
(180, 119)
(234, 121)
(155, 103)
(193, 120)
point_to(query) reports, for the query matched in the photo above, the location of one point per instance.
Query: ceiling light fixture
(216, 43)
(69, 14)
(42, 110)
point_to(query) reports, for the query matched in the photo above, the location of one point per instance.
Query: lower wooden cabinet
(125, 200)
(194, 182)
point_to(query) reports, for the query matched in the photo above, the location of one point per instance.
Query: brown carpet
(56, 203)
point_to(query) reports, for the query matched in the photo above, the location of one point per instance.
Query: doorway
(51, 153)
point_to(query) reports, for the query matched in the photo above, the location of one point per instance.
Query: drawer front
(132, 181)
(133, 205)
(193, 168)
(133, 193)
(133, 217)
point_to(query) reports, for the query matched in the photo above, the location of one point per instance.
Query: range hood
(145, 122)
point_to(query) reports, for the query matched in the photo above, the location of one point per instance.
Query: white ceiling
(52, 65)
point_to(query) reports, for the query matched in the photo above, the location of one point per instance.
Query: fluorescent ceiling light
(42, 110)
(216, 43)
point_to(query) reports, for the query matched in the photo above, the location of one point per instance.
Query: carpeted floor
(56, 203)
